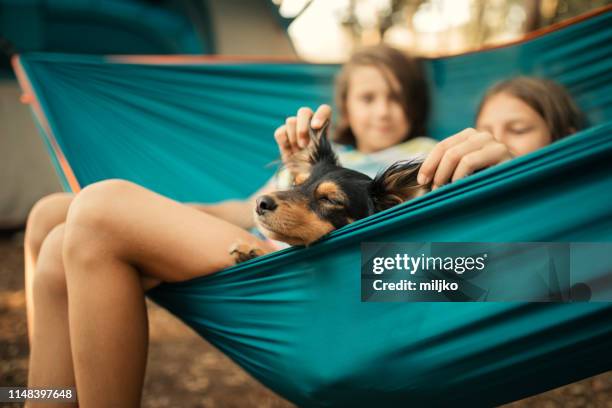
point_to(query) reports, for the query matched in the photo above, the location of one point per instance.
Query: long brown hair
(549, 99)
(408, 71)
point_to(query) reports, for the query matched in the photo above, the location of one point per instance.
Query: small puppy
(326, 196)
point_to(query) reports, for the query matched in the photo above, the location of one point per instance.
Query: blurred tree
(435, 27)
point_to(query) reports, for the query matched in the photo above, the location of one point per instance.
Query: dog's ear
(319, 150)
(396, 184)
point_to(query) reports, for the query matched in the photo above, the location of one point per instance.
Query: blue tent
(97, 27)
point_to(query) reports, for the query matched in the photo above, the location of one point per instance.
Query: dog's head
(326, 196)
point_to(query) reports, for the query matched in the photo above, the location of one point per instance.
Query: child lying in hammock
(515, 117)
(120, 239)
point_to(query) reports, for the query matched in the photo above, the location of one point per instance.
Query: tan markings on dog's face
(331, 194)
(293, 222)
(300, 178)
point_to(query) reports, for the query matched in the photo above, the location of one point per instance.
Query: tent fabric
(294, 319)
(97, 27)
(25, 166)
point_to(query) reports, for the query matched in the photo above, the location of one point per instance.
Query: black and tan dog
(326, 196)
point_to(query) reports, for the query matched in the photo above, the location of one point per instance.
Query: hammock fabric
(202, 131)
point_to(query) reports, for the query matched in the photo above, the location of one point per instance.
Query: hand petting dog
(460, 155)
(294, 135)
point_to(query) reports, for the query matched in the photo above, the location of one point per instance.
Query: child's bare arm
(238, 212)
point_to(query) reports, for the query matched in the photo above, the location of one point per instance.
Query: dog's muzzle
(265, 204)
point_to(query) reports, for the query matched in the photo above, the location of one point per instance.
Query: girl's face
(514, 123)
(374, 114)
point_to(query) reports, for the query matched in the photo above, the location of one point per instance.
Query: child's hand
(460, 155)
(293, 136)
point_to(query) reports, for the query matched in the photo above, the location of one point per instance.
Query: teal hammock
(202, 131)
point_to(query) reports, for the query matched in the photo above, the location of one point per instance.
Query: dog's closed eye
(330, 193)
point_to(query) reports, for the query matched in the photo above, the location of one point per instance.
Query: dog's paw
(242, 251)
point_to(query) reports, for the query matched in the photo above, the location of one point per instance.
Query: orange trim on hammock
(29, 98)
(199, 59)
(218, 59)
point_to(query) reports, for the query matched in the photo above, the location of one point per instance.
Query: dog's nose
(265, 203)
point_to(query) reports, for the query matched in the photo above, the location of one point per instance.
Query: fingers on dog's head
(319, 151)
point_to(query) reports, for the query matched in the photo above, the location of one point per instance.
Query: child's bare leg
(50, 356)
(50, 364)
(116, 232)
(46, 214)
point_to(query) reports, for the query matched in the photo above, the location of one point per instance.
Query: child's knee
(91, 223)
(47, 213)
(49, 277)
(96, 204)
